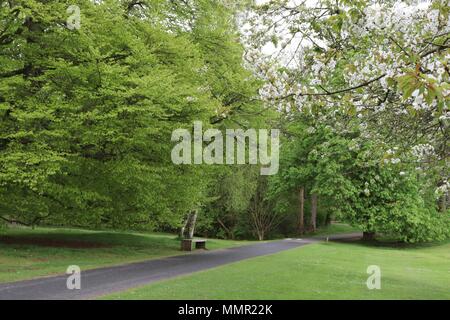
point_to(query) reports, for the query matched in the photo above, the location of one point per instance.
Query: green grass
(21, 258)
(334, 228)
(319, 271)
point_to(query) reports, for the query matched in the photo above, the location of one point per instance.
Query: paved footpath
(97, 282)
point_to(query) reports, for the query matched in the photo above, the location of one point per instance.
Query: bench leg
(186, 245)
(200, 245)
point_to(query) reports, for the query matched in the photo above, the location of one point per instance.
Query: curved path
(101, 281)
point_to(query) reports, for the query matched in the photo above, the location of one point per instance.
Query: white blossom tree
(384, 62)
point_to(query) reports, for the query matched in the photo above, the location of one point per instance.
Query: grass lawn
(334, 228)
(26, 253)
(319, 271)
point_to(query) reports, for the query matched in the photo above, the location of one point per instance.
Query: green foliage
(86, 119)
(87, 115)
(389, 202)
(367, 82)
(230, 194)
(358, 180)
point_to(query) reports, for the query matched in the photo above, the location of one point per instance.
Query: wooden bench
(186, 244)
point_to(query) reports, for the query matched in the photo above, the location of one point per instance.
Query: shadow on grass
(387, 243)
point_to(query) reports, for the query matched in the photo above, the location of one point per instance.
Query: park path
(97, 282)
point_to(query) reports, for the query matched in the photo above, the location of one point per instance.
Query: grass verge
(27, 253)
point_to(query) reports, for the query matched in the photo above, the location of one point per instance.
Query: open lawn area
(319, 271)
(27, 253)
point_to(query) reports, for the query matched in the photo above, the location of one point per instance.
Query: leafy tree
(87, 115)
(230, 194)
(264, 218)
(367, 184)
(369, 74)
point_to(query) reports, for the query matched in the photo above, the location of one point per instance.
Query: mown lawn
(319, 271)
(334, 228)
(27, 253)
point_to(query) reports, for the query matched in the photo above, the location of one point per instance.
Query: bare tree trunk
(261, 235)
(192, 222)
(183, 228)
(301, 217)
(443, 203)
(313, 212)
(264, 218)
(228, 231)
(189, 225)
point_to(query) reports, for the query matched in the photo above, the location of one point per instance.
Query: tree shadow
(85, 240)
(392, 243)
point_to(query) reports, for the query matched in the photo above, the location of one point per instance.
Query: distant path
(102, 281)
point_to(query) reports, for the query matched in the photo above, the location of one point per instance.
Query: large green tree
(87, 113)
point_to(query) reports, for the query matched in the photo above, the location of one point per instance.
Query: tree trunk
(230, 233)
(443, 203)
(192, 221)
(368, 236)
(187, 231)
(301, 217)
(183, 228)
(313, 212)
(328, 219)
(261, 235)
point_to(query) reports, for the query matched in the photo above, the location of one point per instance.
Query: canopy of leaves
(87, 115)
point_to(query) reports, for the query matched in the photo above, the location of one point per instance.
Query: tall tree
(372, 77)
(301, 216)
(87, 114)
(313, 212)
